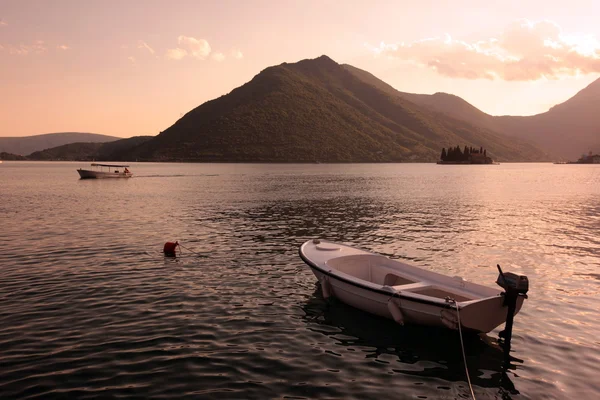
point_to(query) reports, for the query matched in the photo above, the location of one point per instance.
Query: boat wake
(171, 175)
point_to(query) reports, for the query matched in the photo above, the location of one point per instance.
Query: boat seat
(393, 278)
(411, 286)
(432, 290)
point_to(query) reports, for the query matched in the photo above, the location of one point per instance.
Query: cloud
(525, 51)
(237, 54)
(190, 46)
(36, 47)
(218, 57)
(198, 48)
(176, 54)
(2, 22)
(144, 45)
(131, 59)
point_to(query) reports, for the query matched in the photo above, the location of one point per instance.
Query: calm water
(89, 307)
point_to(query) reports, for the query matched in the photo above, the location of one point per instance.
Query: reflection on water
(340, 218)
(410, 350)
(90, 307)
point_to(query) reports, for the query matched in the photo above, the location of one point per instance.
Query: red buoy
(169, 249)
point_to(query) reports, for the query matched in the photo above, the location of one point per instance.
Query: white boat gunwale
(380, 289)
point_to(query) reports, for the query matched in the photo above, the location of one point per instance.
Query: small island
(587, 159)
(470, 155)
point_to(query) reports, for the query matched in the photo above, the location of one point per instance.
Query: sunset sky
(133, 67)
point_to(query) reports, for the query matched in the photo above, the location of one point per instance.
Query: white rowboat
(405, 293)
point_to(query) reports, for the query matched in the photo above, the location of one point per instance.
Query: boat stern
(486, 314)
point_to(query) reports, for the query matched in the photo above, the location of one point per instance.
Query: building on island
(588, 159)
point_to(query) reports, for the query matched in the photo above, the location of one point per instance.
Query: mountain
(120, 149)
(449, 104)
(318, 110)
(567, 130)
(28, 144)
(11, 157)
(90, 151)
(67, 152)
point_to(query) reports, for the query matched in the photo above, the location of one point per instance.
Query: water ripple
(90, 308)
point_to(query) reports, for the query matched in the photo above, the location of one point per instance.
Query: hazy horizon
(133, 69)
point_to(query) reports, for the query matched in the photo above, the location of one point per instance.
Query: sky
(133, 67)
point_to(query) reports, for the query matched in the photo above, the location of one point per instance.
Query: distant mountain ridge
(28, 144)
(318, 110)
(89, 151)
(567, 130)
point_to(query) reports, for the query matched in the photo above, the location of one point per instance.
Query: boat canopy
(109, 165)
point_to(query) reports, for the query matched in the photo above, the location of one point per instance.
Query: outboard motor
(514, 286)
(518, 284)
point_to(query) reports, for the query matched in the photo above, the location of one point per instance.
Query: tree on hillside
(444, 155)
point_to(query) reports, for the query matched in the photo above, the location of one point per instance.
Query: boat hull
(478, 314)
(88, 174)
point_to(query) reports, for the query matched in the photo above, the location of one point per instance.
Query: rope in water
(191, 251)
(462, 345)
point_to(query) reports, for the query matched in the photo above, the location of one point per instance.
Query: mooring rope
(462, 345)
(191, 251)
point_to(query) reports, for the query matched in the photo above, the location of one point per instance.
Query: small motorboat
(408, 294)
(102, 171)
